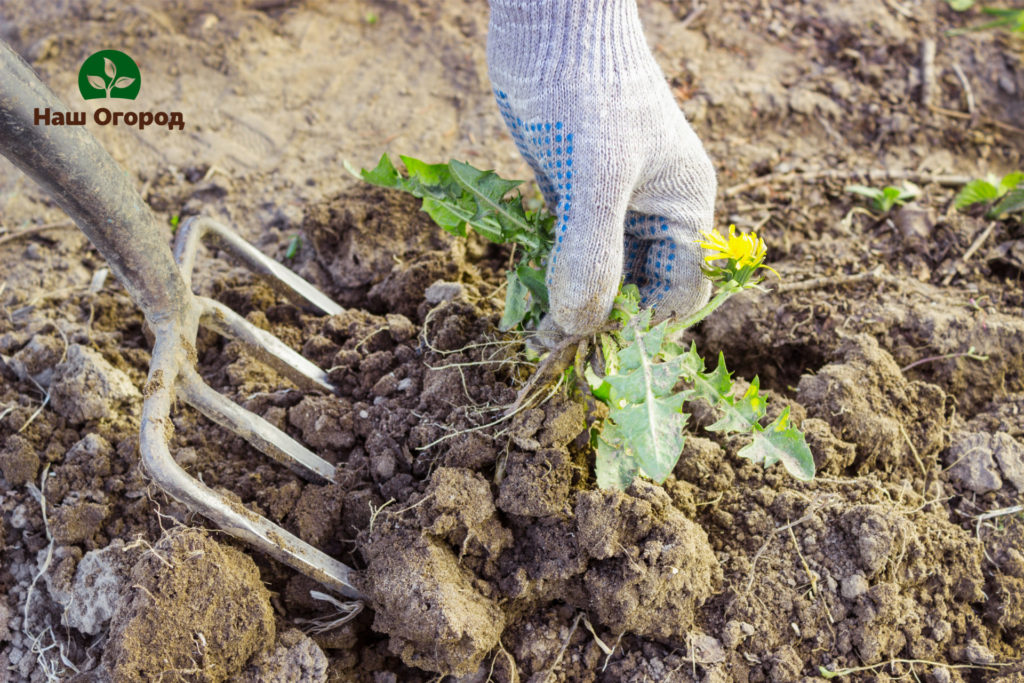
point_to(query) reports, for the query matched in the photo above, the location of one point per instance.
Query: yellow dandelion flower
(746, 250)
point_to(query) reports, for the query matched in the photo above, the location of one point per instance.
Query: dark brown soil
(486, 549)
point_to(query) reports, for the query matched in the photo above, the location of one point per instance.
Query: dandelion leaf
(645, 421)
(780, 442)
(516, 303)
(615, 467)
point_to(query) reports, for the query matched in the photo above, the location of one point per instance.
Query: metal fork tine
(254, 429)
(193, 230)
(240, 522)
(69, 164)
(266, 346)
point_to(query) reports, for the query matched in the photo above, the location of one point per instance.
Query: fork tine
(266, 346)
(254, 429)
(193, 230)
(154, 434)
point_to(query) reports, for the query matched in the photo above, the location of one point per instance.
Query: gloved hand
(589, 109)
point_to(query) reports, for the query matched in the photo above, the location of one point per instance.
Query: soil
(485, 547)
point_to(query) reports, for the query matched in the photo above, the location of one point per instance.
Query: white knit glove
(589, 109)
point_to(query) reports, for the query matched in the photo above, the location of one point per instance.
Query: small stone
(295, 657)
(383, 466)
(971, 462)
(186, 457)
(979, 654)
(19, 517)
(707, 649)
(942, 630)
(99, 578)
(940, 674)
(1009, 453)
(385, 386)
(87, 387)
(443, 291)
(5, 616)
(1013, 563)
(854, 586)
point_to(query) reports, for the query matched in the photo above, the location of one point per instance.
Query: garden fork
(85, 181)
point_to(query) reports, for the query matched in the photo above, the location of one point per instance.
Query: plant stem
(725, 291)
(969, 353)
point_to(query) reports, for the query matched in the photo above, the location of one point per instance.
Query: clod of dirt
(19, 462)
(973, 458)
(536, 484)
(192, 607)
(37, 359)
(355, 230)
(294, 657)
(77, 520)
(87, 387)
(537, 481)
(326, 423)
(651, 567)
(867, 401)
(99, 580)
(428, 604)
(458, 507)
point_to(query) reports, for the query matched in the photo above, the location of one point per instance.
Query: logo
(104, 75)
(109, 73)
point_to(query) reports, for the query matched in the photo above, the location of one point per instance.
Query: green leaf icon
(109, 73)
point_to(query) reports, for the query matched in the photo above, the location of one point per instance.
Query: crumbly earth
(485, 548)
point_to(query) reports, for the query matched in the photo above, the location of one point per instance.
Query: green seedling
(1010, 19)
(641, 374)
(174, 221)
(1004, 195)
(883, 200)
(293, 247)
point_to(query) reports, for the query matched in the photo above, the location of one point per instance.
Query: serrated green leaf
(431, 175)
(500, 221)
(1010, 181)
(615, 469)
(1011, 203)
(516, 305)
(652, 432)
(640, 377)
(780, 442)
(444, 216)
(975, 192)
(645, 419)
(384, 174)
(742, 414)
(533, 279)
